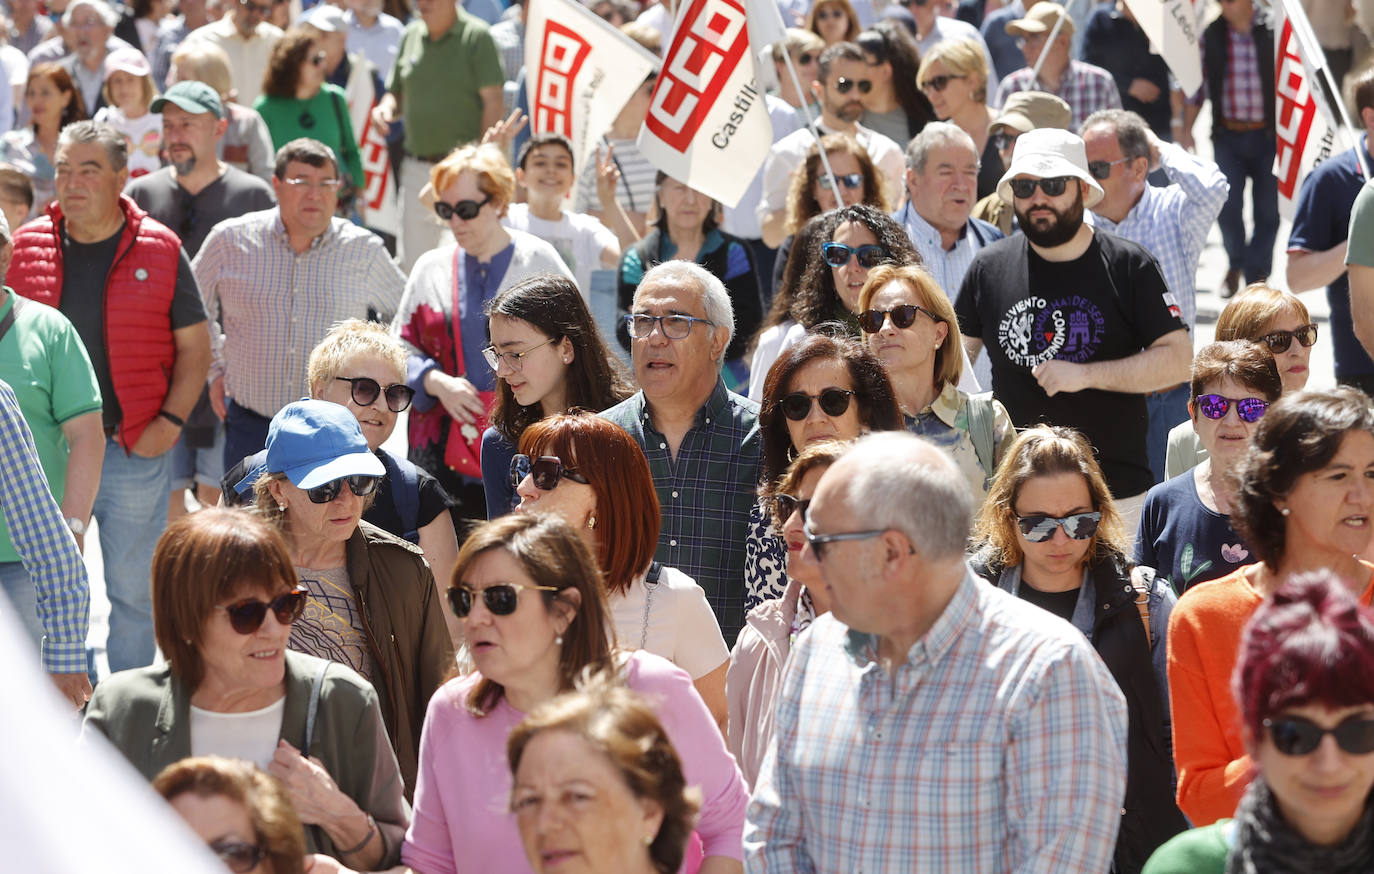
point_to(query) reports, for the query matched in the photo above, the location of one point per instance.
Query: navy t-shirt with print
(1184, 540)
(1109, 303)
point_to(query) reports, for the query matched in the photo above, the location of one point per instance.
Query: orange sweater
(1204, 641)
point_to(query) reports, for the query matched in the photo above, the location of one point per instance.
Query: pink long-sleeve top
(462, 819)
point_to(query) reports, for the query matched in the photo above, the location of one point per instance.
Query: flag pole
(1312, 51)
(1054, 33)
(810, 123)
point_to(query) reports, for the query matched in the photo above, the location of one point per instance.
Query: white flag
(1307, 130)
(1173, 30)
(579, 72)
(708, 126)
(379, 192)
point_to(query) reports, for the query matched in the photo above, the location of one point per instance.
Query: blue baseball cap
(316, 442)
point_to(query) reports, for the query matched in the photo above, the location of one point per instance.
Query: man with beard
(1075, 320)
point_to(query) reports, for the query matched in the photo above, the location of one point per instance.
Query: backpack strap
(1143, 581)
(405, 493)
(982, 428)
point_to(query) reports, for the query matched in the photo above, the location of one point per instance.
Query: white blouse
(678, 624)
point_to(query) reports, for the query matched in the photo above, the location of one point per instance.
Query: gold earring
(591, 521)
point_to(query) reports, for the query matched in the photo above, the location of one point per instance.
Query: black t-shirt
(192, 216)
(1061, 604)
(1104, 305)
(85, 267)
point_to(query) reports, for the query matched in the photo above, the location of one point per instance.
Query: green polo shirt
(436, 83)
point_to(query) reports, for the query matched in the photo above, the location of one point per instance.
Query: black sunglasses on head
(1296, 736)
(904, 316)
(500, 599)
(546, 471)
(797, 405)
(1053, 186)
(360, 484)
(466, 210)
(1279, 341)
(844, 85)
(364, 391)
(246, 616)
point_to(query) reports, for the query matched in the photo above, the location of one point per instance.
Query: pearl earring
(648, 840)
(1284, 512)
(565, 360)
(558, 640)
(281, 507)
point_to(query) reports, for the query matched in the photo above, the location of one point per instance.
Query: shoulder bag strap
(459, 265)
(982, 431)
(8, 321)
(1142, 581)
(650, 584)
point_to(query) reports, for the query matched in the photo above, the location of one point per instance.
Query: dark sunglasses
(246, 616)
(785, 505)
(938, 83)
(1003, 141)
(843, 85)
(465, 209)
(1295, 736)
(364, 391)
(1279, 341)
(360, 484)
(797, 405)
(238, 856)
(1250, 410)
(1103, 169)
(904, 316)
(838, 254)
(546, 470)
(848, 180)
(1039, 528)
(500, 599)
(805, 58)
(1052, 186)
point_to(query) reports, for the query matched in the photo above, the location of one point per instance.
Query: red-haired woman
(593, 475)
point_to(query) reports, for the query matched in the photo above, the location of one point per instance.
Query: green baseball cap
(194, 97)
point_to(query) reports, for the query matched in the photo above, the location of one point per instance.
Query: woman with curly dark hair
(894, 107)
(810, 195)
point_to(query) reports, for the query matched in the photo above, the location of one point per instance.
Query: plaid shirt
(999, 745)
(43, 541)
(1243, 97)
(1172, 222)
(705, 493)
(1084, 87)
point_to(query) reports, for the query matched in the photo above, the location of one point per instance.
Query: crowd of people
(461, 508)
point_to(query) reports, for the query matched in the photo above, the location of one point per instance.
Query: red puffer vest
(138, 304)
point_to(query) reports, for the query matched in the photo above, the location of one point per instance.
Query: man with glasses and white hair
(701, 440)
(88, 25)
(1075, 320)
(930, 722)
(248, 38)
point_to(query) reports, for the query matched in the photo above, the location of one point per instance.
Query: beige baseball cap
(1027, 110)
(1040, 20)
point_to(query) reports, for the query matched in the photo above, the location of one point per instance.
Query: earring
(281, 507)
(558, 640)
(565, 360)
(591, 521)
(648, 840)
(1284, 512)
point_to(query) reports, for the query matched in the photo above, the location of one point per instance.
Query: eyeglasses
(674, 327)
(514, 360)
(1250, 410)
(364, 390)
(829, 12)
(1053, 186)
(318, 59)
(246, 616)
(1003, 141)
(238, 856)
(820, 541)
(838, 254)
(546, 470)
(1039, 528)
(1295, 736)
(360, 484)
(797, 405)
(466, 210)
(904, 316)
(1103, 169)
(848, 180)
(843, 85)
(500, 599)
(938, 83)
(1279, 341)
(785, 505)
(312, 184)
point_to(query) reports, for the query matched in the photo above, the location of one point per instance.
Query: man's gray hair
(909, 484)
(936, 133)
(104, 10)
(1132, 132)
(111, 140)
(715, 299)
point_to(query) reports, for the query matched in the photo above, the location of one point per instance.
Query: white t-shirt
(638, 176)
(680, 625)
(144, 136)
(579, 238)
(251, 736)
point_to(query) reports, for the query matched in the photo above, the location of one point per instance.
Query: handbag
(463, 449)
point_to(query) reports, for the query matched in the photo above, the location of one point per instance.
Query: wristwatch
(78, 527)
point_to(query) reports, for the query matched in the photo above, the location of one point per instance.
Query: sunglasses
(804, 59)
(938, 83)
(819, 542)
(514, 360)
(843, 85)
(1103, 169)
(259, 8)
(466, 210)
(838, 254)
(904, 316)
(831, 12)
(1003, 141)
(1052, 186)
(546, 470)
(797, 405)
(1039, 528)
(1295, 736)
(360, 484)
(246, 616)
(364, 391)
(1250, 410)
(500, 599)
(1279, 341)
(785, 505)
(848, 180)
(238, 856)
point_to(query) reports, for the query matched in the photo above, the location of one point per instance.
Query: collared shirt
(998, 745)
(268, 306)
(1173, 221)
(377, 43)
(947, 266)
(39, 29)
(705, 493)
(946, 424)
(1243, 97)
(247, 57)
(44, 543)
(1084, 87)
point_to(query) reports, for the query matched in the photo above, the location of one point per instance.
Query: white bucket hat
(1046, 153)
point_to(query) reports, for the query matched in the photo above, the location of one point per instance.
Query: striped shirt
(1086, 88)
(634, 191)
(268, 306)
(705, 493)
(999, 745)
(44, 543)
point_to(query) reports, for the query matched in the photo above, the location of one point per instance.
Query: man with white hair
(89, 24)
(1075, 320)
(931, 722)
(702, 441)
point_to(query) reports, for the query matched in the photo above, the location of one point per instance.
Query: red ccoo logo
(1296, 112)
(709, 43)
(560, 62)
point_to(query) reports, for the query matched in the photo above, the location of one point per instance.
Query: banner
(379, 193)
(1172, 27)
(1308, 132)
(579, 73)
(708, 126)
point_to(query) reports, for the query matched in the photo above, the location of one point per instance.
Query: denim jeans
(131, 510)
(1243, 155)
(1166, 410)
(18, 587)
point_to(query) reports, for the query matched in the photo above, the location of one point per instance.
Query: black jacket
(1215, 67)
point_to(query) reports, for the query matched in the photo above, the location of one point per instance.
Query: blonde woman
(954, 77)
